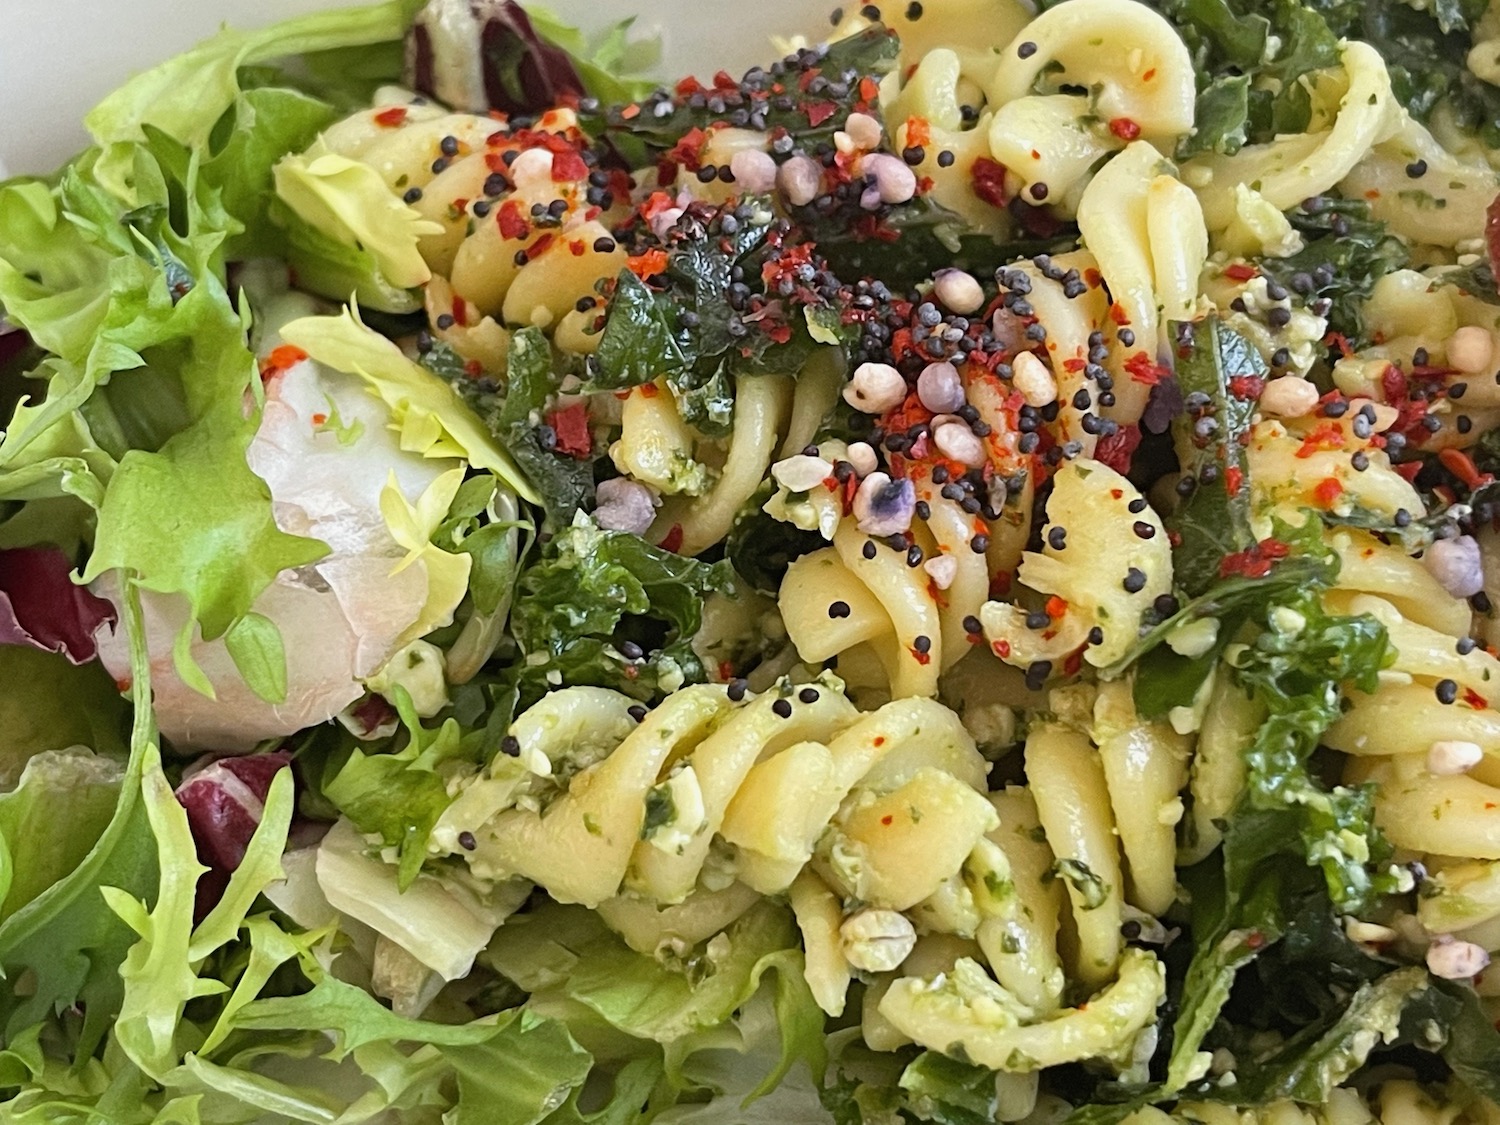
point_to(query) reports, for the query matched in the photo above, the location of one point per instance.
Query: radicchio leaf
(224, 803)
(484, 54)
(41, 607)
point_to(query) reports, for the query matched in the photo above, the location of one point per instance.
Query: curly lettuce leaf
(431, 419)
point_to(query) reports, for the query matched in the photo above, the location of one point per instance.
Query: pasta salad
(951, 578)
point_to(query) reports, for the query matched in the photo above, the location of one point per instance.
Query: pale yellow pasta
(651, 928)
(655, 445)
(1019, 933)
(1217, 779)
(1444, 206)
(819, 914)
(1051, 140)
(1453, 815)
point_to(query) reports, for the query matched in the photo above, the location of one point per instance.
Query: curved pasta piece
(580, 847)
(1023, 905)
(1129, 55)
(1455, 816)
(1444, 206)
(1052, 142)
(1290, 169)
(819, 914)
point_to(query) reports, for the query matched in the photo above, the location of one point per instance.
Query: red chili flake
(887, 819)
(572, 427)
(687, 153)
(673, 539)
(918, 131)
(1149, 75)
(1492, 234)
(511, 220)
(460, 311)
(1475, 700)
(1143, 369)
(280, 359)
(1247, 388)
(319, 419)
(473, 368)
(630, 112)
(1002, 649)
(869, 89)
(1408, 469)
(1340, 341)
(1000, 585)
(577, 248)
(819, 112)
(689, 86)
(1323, 437)
(987, 181)
(1056, 607)
(1118, 315)
(1462, 466)
(1329, 489)
(1233, 480)
(920, 657)
(1117, 449)
(1071, 664)
(568, 167)
(390, 118)
(1255, 561)
(726, 670)
(649, 264)
(631, 671)
(1124, 128)
(539, 247)
(1255, 939)
(1239, 271)
(879, 741)
(649, 390)
(1117, 493)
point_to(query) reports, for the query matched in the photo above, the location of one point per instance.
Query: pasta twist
(502, 225)
(1395, 1101)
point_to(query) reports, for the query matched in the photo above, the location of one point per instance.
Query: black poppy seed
(1096, 636)
(1432, 423)
(1359, 461)
(637, 712)
(1466, 645)
(439, 164)
(444, 321)
(1130, 930)
(869, 550)
(914, 154)
(1446, 691)
(838, 609)
(1037, 620)
(510, 746)
(808, 695)
(1143, 530)
(631, 651)
(1417, 169)
(481, 208)
(1335, 409)
(1480, 602)
(946, 158)
(1166, 605)
(782, 708)
(1458, 390)
(870, 12)
(1137, 506)
(914, 10)
(972, 626)
(448, 146)
(1464, 423)
(1026, 49)
(923, 510)
(520, 258)
(1135, 581)
(736, 689)
(1040, 191)
(922, 643)
(412, 195)
(979, 544)
(1281, 357)
(1127, 337)
(836, 17)
(1037, 673)
(495, 184)
(1057, 538)
(1402, 517)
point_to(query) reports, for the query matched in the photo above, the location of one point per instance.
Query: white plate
(59, 57)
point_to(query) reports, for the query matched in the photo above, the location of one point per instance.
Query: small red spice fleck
(280, 359)
(1255, 561)
(539, 247)
(726, 670)
(920, 657)
(1118, 315)
(1143, 369)
(1125, 128)
(511, 221)
(568, 167)
(819, 112)
(1475, 700)
(1002, 649)
(649, 264)
(673, 538)
(577, 248)
(1149, 75)
(319, 419)
(1117, 493)
(1408, 469)
(987, 180)
(1247, 388)
(1240, 271)
(649, 390)
(1117, 449)
(1056, 607)
(918, 132)
(879, 741)
(1462, 466)
(1233, 480)
(869, 89)
(630, 112)
(390, 118)
(1323, 437)
(887, 819)
(572, 427)
(460, 312)
(1329, 489)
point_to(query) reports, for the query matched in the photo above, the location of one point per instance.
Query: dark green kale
(1344, 253)
(606, 608)
(1220, 375)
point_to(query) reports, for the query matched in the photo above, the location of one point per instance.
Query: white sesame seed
(754, 171)
(957, 442)
(1457, 564)
(875, 388)
(799, 180)
(1288, 397)
(801, 473)
(1453, 756)
(1456, 960)
(1471, 349)
(863, 130)
(1033, 380)
(939, 388)
(957, 290)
